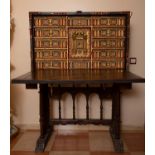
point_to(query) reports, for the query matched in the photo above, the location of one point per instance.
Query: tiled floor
(79, 143)
(135, 141)
(73, 142)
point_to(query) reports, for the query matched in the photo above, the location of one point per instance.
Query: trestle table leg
(45, 127)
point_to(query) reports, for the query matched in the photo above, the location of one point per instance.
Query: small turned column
(87, 106)
(73, 97)
(101, 92)
(87, 102)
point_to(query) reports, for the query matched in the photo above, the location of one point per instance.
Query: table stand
(46, 125)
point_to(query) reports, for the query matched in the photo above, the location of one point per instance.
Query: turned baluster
(59, 102)
(73, 97)
(101, 102)
(87, 104)
(101, 109)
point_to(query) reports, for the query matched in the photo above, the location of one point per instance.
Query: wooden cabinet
(80, 41)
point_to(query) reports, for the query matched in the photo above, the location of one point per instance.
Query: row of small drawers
(63, 54)
(80, 64)
(79, 21)
(63, 32)
(63, 43)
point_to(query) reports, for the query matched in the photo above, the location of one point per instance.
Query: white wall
(25, 102)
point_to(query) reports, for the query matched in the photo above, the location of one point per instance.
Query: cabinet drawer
(79, 64)
(108, 64)
(108, 32)
(50, 32)
(106, 53)
(48, 64)
(50, 43)
(49, 21)
(50, 54)
(79, 21)
(108, 43)
(108, 21)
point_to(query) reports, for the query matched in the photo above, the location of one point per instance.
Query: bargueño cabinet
(76, 52)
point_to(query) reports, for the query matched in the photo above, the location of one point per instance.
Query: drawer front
(49, 21)
(50, 43)
(106, 53)
(79, 21)
(108, 43)
(54, 64)
(50, 54)
(50, 32)
(108, 32)
(108, 64)
(79, 64)
(108, 21)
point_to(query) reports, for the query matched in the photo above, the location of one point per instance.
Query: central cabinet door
(79, 47)
(79, 43)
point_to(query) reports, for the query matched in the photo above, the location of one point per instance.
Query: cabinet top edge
(33, 13)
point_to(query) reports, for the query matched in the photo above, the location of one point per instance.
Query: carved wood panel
(79, 43)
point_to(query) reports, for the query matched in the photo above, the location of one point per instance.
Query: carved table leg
(45, 128)
(115, 126)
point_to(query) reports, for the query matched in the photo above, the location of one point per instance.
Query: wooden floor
(78, 143)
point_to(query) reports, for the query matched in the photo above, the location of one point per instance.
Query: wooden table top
(81, 76)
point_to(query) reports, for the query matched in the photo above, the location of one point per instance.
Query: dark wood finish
(78, 76)
(82, 121)
(101, 104)
(31, 86)
(73, 97)
(45, 128)
(59, 107)
(76, 52)
(106, 83)
(59, 98)
(87, 106)
(115, 126)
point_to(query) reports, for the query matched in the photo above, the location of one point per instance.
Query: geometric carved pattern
(48, 21)
(108, 64)
(109, 22)
(84, 42)
(82, 64)
(79, 21)
(108, 43)
(108, 32)
(50, 32)
(50, 43)
(107, 53)
(50, 54)
(54, 64)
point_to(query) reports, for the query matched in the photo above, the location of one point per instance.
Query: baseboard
(127, 128)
